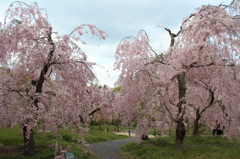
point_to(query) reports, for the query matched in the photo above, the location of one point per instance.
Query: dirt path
(109, 149)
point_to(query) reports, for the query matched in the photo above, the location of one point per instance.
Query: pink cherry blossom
(195, 81)
(44, 75)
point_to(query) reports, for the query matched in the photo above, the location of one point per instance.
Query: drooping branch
(18, 91)
(211, 101)
(94, 111)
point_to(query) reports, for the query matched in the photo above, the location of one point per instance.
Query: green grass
(11, 145)
(11, 142)
(97, 134)
(214, 147)
(110, 128)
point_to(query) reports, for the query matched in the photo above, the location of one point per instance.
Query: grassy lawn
(104, 133)
(11, 142)
(214, 147)
(201, 147)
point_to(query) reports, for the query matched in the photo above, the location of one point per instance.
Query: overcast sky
(119, 18)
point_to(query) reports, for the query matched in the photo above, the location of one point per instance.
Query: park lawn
(12, 145)
(103, 133)
(199, 147)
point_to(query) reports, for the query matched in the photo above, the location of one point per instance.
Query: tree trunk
(28, 135)
(195, 124)
(180, 130)
(28, 142)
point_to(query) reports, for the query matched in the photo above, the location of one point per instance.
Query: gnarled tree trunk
(28, 142)
(28, 136)
(180, 132)
(180, 129)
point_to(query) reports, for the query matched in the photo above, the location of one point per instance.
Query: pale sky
(119, 18)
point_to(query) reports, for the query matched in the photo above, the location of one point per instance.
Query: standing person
(216, 127)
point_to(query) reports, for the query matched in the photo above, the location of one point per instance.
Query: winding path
(109, 149)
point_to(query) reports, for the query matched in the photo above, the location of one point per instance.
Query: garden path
(110, 149)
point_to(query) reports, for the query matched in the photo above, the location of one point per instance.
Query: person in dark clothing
(144, 137)
(217, 128)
